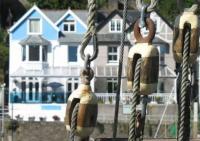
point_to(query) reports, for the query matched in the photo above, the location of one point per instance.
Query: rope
(91, 32)
(74, 122)
(184, 119)
(136, 88)
(120, 69)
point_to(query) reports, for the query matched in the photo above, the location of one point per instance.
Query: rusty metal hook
(143, 16)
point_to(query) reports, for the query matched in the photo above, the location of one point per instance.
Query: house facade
(45, 62)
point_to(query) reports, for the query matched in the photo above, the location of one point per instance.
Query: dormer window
(34, 26)
(116, 25)
(69, 26)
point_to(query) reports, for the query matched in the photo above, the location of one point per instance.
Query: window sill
(34, 33)
(112, 63)
(115, 31)
(69, 31)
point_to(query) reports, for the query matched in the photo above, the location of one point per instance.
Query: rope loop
(91, 32)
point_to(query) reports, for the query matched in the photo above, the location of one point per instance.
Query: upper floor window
(72, 53)
(112, 54)
(116, 25)
(34, 26)
(69, 26)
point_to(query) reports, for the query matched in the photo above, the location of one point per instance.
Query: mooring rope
(136, 90)
(74, 122)
(184, 119)
(121, 50)
(91, 32)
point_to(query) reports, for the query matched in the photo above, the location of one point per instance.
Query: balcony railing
(74, 71)
(103, 98)
(125, 98)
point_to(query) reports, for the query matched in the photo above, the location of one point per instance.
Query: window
(72, 53)
(160, 87)
(112, 54)
(44, 53)
(36, 91)
(112, 85)
(115, 25)
(69, 26)
(23, 85)
(34, 53)
(72, 84)
(34, 26)
(30, 91)
(23, 53)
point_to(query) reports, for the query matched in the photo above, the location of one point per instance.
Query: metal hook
(143, 16)
(151, 6)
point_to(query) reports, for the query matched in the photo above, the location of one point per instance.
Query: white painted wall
(35, 110)
(61, 56)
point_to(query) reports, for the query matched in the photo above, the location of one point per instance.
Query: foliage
(56, 118)
(169, 8)
(63, 4)
(12, 125)
(3, 49)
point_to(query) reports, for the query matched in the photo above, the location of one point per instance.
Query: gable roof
(54, 15)
(28, 13)
(132, 15)
(75, 16)
(165, 20)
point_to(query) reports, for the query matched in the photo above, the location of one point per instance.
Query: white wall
(61, 56)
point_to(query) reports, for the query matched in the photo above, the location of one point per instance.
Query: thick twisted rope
(120, 69)
(136, 90)
(91, 31)
(74, 122)
(184, 119)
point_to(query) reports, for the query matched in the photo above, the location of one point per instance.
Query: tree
(64, 4)
(3, 49)
(168, 8)
(3, 55)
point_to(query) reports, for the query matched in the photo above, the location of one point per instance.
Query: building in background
(45, 62)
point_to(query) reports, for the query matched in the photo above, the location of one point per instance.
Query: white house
(45, 61)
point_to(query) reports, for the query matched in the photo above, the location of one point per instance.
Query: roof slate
(34, 40)
(54, 15)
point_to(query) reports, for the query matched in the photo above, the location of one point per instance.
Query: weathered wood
(87, 112)
(149, 67)
(191, 20)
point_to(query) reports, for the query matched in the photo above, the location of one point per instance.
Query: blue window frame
(72, 53)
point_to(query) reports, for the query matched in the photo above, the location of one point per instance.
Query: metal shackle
(149, 67)
(190, 19)
(137, 31)
(87, 112)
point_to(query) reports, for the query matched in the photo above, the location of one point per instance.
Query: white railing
(125, 98)
(37, 65)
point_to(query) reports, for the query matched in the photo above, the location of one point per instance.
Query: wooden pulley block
(87, 113)
(150, 61)
(188, 18)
